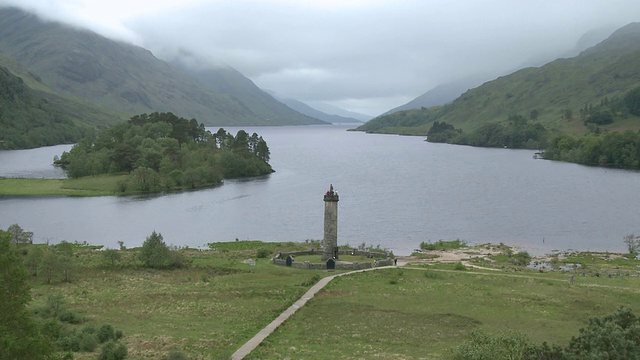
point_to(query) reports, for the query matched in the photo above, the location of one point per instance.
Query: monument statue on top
(330, 240)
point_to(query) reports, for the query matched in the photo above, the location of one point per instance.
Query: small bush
(175, 355)
(522, 258)
(431, 275)
(263, 253)
(314, 279)
(113, 351)
(106, 333)
(460, 266)
(443, 245)
(70, 317)
(88, 342)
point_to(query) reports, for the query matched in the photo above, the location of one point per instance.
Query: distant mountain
(77, 63)
(334, 110)
(303, 108)
(605, 71)
(441, 94)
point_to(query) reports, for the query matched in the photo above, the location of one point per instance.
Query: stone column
(330, 241)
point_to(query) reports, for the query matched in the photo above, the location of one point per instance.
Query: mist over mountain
(131, 80)
(442, 94)
(334, 110)
(603, 72)
(305, 109)
(448, 92)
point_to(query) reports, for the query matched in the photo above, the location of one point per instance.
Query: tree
(111, 256)
(262, 150)
(20, 338)
(19, 237)
(615, 336)
(155, 253)
(633, 243)
(64, 250)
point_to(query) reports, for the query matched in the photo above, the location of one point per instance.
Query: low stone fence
(338, 265)
(354, 252)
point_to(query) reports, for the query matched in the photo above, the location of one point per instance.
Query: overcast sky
(366, 56)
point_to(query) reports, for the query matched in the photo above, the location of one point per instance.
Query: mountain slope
(605, 71)
(230, 83)
(440, 94)
(28, 120)
(123, 77)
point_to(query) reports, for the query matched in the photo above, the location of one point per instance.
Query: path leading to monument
(248, 347)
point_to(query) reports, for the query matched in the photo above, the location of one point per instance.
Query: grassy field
(100, 185)
(209, 310)
(89, 186)
(424, 314)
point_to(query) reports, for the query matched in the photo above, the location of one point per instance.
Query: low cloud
(367, 56)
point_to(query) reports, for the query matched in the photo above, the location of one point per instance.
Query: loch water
(395, 192)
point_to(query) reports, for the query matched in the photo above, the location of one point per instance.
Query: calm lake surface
(395, 191)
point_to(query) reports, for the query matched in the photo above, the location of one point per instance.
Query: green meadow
(421, 311)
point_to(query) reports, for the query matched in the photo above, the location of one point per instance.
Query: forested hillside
(27, 120)
(560, 95)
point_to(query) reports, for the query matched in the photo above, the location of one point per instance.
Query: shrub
(113, 351)
(88, 342)
(460, 266)
(262, 253)
(106, 333)
(522, 258)
(484, 346)
(157, 255)
(175, 355)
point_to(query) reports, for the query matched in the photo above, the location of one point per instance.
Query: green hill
(31, 118)
(78, 64)
(553, 95)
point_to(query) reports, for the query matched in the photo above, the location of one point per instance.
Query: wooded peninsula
(151, 153)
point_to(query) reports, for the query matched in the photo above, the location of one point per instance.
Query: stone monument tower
(330, 241)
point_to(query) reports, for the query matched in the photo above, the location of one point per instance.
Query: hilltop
(83, 67)
(546, 94)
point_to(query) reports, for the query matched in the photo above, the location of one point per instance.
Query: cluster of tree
(615, 336)
(162, 151)
(516, 133)
(405, 121)
(28, 121)
(61, 326)
(441, 132)
(49, 331)
(633, 244)
(608, 110)
(156, 254)
(617, 149)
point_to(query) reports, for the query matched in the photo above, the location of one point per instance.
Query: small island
(151, 153)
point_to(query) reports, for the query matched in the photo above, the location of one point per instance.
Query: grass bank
(87, 186)
(99, 185)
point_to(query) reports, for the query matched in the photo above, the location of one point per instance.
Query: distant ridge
(303, 108)
(130, 80)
